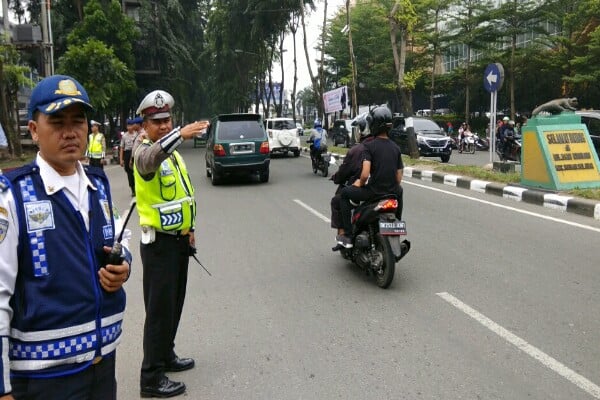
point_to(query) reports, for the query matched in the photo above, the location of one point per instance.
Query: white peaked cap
(156, 105)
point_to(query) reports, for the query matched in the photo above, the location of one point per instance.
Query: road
(496, 300)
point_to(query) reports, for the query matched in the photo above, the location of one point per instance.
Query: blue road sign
(493, 77)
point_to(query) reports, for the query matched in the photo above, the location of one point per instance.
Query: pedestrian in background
(167, 209)
(61, 302)
(126, 148)
(96, 148)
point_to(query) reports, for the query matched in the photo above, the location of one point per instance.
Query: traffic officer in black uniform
(167, 209)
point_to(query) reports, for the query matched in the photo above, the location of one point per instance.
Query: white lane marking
(312, 210)
(562, 221)
(549, 362)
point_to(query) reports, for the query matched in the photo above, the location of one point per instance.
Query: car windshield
(283, 124)
(231, 130)
(426, 127)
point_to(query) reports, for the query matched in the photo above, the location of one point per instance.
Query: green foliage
(372, 49)
(96, 67)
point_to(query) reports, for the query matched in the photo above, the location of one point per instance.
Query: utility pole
(5, 15)
(47, 47)
(352, 61)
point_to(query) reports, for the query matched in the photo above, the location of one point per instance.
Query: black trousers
(129, 169)
(96, 162)
(336, 216)
(97, 382)
(165, 264)
(358, 194)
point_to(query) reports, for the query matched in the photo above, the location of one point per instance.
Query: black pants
(358, 194)
(336, 216)
(129, 169)
(96, 162)
(165, 264)
(97, 382)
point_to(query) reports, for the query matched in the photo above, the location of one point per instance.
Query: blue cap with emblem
(56, 92)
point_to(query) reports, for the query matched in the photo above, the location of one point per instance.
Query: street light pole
(352, 61)
(47, 47)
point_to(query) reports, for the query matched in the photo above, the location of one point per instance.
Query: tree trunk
(314, 81)
(294, 29)
(400, 64)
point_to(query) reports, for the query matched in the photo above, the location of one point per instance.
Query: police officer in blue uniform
(61, 302)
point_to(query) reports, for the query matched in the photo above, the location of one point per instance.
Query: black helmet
(380, 119)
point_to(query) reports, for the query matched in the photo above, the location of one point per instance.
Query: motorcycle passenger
(349, 171)
(381, 172)
(461, 137)
(317, 140)
(465, 134)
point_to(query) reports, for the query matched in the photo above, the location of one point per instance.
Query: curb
(585, 207)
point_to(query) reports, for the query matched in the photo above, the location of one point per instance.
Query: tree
(102, 58)
(402, 19)
(106, 78)
(12, 77)
(471, 29)
(512, 19)
(575, 21)
(316, 80)
(431, 15)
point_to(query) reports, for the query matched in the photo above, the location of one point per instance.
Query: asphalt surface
(496, 300)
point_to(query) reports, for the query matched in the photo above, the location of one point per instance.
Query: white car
(283, 136)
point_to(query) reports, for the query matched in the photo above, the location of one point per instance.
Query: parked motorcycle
(376, 238)
(320, 161)
(482, 144)
(512, 149)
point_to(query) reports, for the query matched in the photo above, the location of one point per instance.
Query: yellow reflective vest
(166, 202)
(95, 147)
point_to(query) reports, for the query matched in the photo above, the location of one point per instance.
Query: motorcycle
(376, 238)
(510, 150)
(468, 145)
(320, 161)
(482, 143)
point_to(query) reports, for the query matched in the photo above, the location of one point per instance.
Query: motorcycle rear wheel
(385, 275)
(325, 170)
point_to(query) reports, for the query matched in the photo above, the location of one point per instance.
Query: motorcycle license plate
(392, 228)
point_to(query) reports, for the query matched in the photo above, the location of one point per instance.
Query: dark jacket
(351, 167)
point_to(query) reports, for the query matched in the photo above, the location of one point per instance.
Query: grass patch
(14, 162)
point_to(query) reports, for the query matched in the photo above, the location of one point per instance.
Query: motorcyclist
(381, 172)
(509, 137)
(317, 140)
(350, 169)
(500, 138)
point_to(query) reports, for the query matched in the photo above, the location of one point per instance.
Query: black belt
(184, 232)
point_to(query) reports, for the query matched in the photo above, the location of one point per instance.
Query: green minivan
(237, 144)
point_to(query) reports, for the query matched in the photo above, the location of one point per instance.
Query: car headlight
(421, 140)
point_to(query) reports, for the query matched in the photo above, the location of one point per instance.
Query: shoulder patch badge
(3, 229)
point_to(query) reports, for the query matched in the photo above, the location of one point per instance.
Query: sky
(313, 29)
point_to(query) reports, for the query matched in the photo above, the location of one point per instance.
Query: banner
(335, 100)
(3, 141)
